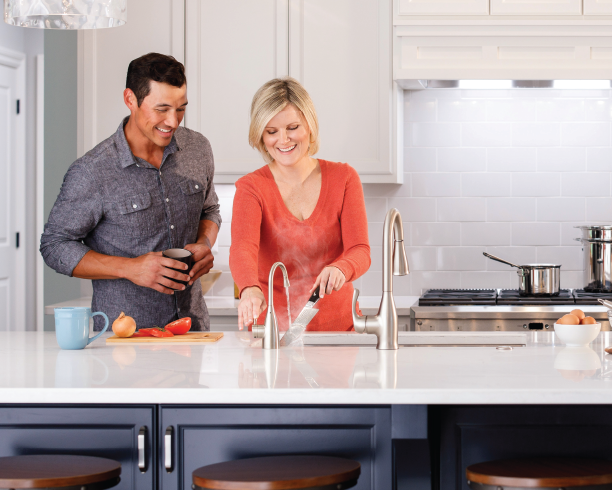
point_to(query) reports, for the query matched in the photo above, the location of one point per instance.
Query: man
(147, 188)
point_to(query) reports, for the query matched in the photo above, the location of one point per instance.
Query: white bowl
(209, 279)
(577, 335)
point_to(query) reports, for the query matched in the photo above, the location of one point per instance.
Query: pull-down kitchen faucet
(395, 263)
(269, 331)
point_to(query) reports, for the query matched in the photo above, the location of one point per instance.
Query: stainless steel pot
(597, 246)
(535, 279)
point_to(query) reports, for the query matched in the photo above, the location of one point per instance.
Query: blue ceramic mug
(72, 327)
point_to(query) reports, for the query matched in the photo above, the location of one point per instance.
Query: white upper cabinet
(341, 52)
(443, 7)
(597, 7)
(536, 7)
(232, 48)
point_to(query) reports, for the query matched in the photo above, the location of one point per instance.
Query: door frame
(40, 188)
(17, 60)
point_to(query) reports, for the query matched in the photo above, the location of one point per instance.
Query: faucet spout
(269, 330)
(384, 323)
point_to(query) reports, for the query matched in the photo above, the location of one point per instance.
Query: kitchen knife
(303, 319)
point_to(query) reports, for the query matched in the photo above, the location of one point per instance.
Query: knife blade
(301, 322)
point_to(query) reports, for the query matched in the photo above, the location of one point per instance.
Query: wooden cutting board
(188, 337)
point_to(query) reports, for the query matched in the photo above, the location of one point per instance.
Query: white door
(12, 201)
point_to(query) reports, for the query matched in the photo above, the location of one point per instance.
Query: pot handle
(501, 260)
(578, 239)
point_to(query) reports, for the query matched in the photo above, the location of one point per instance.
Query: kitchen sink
(421, 339)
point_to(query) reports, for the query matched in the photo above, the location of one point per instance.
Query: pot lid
(541, 266)
(594, 227)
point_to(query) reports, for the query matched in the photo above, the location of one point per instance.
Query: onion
(124, 326)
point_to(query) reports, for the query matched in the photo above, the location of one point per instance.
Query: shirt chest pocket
(193, 193)
(137, 216)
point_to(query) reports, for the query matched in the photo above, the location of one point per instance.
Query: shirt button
(167, 200)
(160, 173)
(197, 186)
(134, 206)
(172, 227)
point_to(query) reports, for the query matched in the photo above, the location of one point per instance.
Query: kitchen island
(413, 417)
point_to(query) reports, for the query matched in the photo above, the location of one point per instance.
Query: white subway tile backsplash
(482, 234)
(599, 209)
(461, 259)
(536, 234)
(511, 209)
(561, 209)
(536, 134)
(569, 258)
(436, 185)
(511, 110)
(599, 159)
(225, 190)
(462, 209)
(516, 255)
(512, 159)
(585, 134)
(224, 238)
(388, 190)
(569, 232)
(561, 159)
(572, 279)
(371, 283)
(536, 184)
(486, 134)
(588, 184)
(422, 280)
(484, 184)
(462, 159)
(422, 258)
(555, 110)
(485, 280)
(598, 109)
(420, 110)
(436, 134)
(222, 259)
(415, 208)
(461, 110)
(419, 159)
(376, 208)
(376, 256)
(436, 234)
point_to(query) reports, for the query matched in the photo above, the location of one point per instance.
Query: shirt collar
(126, 157)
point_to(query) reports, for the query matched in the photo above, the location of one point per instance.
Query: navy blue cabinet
(206, 435)
(108, 432)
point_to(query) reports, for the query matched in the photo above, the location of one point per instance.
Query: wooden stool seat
(59, 471)
(540, 473)
(279, 473)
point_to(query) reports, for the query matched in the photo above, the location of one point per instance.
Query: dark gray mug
(182, 255)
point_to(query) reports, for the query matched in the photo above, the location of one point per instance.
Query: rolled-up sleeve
(211, 208)
(76, 212)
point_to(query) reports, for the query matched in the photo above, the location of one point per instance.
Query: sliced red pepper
(161, 332)
(180, 326)
(143, 332)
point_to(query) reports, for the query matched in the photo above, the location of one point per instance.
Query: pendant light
(65, 14)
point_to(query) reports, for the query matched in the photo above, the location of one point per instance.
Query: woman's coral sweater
(264, 232)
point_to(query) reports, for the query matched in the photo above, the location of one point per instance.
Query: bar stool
(279, 473)
(59, 471)
(560, 473)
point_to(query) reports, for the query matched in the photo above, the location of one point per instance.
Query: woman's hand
(252, 304)
(330, 279)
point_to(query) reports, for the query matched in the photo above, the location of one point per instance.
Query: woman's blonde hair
(273, 97)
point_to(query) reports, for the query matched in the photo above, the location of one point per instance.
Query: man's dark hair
(156, 67)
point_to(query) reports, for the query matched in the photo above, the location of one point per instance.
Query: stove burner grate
(584, 297)
(457, 297)
(511, 297)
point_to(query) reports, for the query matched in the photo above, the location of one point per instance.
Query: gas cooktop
(507, 297)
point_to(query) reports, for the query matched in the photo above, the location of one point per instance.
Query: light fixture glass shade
(65, 14)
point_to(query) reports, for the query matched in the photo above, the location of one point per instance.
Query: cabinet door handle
(142, 449)
(168, 449)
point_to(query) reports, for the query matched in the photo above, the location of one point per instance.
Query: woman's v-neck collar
(320, 202)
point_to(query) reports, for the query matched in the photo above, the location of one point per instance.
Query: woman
(307, 213)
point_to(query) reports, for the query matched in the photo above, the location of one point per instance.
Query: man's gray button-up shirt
(117, 204)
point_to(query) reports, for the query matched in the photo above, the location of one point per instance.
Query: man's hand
(202, 260)
(330, 279)
(154, 271)
(252, 304)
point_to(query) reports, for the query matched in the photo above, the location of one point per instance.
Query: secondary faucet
(269, 330)
(395, 263)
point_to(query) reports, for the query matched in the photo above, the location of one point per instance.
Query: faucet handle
(359, 321)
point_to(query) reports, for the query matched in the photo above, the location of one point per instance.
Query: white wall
(507, 172)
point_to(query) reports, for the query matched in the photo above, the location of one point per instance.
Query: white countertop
(34, 370)
(226, 306)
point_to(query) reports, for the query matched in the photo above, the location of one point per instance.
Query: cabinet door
(536, 7)
(595, 7)
(203, 436)
(106, 432)
(443, 7)
(104, 56)
(232, 49)
(341, 52)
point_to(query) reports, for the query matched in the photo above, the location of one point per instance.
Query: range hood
(506, 84)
